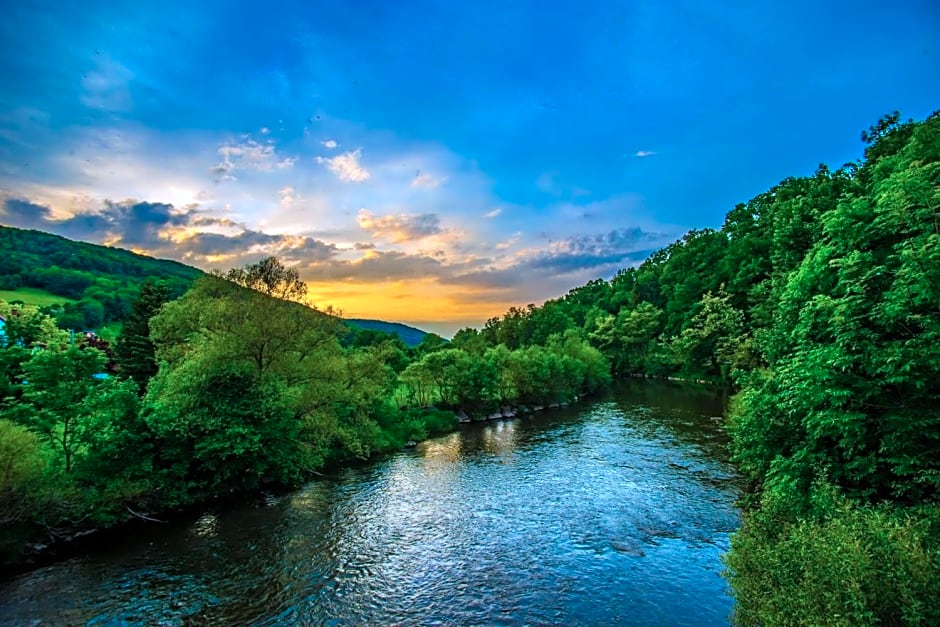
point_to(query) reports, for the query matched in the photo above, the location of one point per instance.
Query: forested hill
(97, 283)
(26, 256)
(409, 335)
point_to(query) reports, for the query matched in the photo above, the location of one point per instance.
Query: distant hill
(96, 285)
(68, 268)
(409, 335)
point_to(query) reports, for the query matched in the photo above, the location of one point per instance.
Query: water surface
(614, 512)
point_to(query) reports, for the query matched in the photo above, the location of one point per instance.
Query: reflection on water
(612, 513)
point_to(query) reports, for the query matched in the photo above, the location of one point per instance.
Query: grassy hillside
(34, 296)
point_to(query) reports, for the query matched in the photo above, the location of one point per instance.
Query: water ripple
(613, 513)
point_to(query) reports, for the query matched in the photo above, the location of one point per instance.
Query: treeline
(103, 281)
(234, 386)
(820, 301)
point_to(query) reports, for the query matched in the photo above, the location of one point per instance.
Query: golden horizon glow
(420, 302)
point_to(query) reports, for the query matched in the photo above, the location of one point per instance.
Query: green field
(34, 296)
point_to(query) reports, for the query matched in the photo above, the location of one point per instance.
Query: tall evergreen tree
(135, 351)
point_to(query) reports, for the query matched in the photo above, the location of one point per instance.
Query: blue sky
(435, 162)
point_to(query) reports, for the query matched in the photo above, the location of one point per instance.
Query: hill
(409, 335)
(87, 286)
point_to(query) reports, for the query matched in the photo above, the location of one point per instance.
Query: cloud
(288, 196)
(493, 213)
(24, 214)
(509, 243)
(568, 261)
(400, 228)
(427, 181)
(255, 243)
(249, 154)
(329, 143)
(377, 266)
(132, 224)
(166, 231)
(265, 130)
(346, 166)
(644, 153)
(546, 183)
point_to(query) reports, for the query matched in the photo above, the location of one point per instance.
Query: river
(610, 512)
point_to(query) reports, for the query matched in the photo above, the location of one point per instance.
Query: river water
(613, 512)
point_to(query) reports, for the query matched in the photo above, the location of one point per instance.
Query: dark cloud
(209, 244)
(139, 224)
(531, 278)
(572, 258)
(24, 214)
(146, 226)
(133, 224)
(379, 266)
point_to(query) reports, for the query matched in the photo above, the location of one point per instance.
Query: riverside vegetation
(818, 301)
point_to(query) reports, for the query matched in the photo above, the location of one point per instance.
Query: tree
(713, 340)
(430, 343)
(59, 382)
(136, 355)
(222, 428)
(272, 278)
(26, 327)
(626, 337)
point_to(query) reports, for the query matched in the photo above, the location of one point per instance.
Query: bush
(840, 564)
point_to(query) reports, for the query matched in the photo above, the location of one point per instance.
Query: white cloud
(288, 196)
(509, 243)
(249, 155)
(346, 166)
(330, 143)
(546, 182)
(493, 213)
(265, 130)
(644, 153)
(427, 181)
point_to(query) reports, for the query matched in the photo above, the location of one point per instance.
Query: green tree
(626, 338)
(714, 340)
(135, 352)
(59, 382)
(272, 278)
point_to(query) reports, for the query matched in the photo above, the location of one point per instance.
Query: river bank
(63, 543)
(629, 498)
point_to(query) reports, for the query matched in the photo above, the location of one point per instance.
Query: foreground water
(614, 512)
